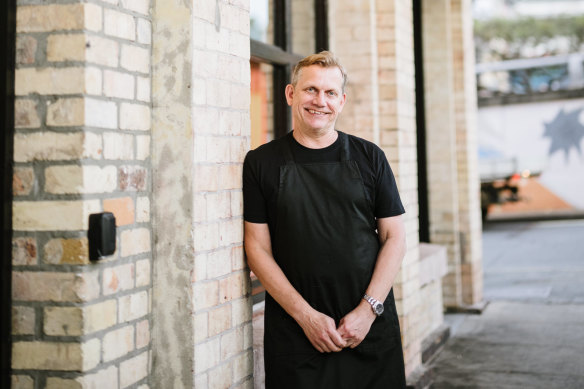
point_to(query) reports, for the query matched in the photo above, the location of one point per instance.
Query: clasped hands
(322, 333)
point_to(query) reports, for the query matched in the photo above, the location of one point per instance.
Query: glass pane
(261, 18)
(303, 41)
(261, 107)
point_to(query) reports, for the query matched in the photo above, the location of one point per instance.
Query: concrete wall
(82, 145)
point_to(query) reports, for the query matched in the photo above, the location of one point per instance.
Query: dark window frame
(281, 57)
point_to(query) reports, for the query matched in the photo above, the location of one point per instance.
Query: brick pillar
(202, 333)
(82, 145)
(441, 141)
(465, 106)
(352, 39)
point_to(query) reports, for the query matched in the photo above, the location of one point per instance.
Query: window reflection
(259, 13)
(261, 110)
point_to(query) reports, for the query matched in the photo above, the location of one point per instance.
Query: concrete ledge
(421, 378)
(433, 343)
(475, 309)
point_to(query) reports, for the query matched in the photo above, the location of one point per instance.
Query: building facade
(143, 108)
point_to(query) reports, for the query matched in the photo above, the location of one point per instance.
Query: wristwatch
(376, 305)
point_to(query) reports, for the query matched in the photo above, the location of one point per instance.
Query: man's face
(317, 99)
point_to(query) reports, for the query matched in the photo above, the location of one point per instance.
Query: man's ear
(289, 93)
(343, 101)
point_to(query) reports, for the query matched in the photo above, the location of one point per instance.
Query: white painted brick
(143, 88)
(136, 59)
(119, 25)
(206, 294)
(118, 146)
(139, 6)
(142, 147)
(117, 84)
(102, 51)
(134, 117)
(144, 31)
(142, 209)
(93, 81)
(118, 343)
(143, 272)
(133, 306)
(101, 114)
(53, 215)
(118, 278)
(107, 378)
(93, 17)
(133, 370)
(135, 241)
(207, 355)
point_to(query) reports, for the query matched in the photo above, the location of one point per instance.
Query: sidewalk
(531, 333)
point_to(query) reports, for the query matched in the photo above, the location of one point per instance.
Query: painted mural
(544, 138)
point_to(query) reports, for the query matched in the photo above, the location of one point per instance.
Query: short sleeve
(387, 200)
(254, 203)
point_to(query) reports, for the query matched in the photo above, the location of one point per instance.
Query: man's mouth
(312, 111)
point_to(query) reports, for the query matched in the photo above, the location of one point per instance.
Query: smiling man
(324, 235)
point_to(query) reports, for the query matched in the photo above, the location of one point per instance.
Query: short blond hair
(326, 59)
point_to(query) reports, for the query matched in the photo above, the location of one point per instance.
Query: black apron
(326, 244)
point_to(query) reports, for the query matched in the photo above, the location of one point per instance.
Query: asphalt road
(531, 335)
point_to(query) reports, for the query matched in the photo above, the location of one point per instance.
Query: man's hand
(356, 324)
(321, 332)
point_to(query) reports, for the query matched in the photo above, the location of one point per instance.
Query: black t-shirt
(261, 176)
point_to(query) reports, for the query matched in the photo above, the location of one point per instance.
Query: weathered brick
(119, 24)
(101, 114)
(142, 147)
(142, 209)
(66, 112)
(26, 114)
(139, 6)
(136, 241)
(39, 355)
(243, 365)
(22, 382)
(51, 146)
(241, 310)
(106, 378)
(134, 117)
(133, 306)
(117, 84)
(143, 272)
(201, 326)
(97, 317)
(52, 215)
(133, 370)
(66, 251)
(63, 321)
(65, 47)
(219, 319)
(143, 88)
(135, 59)
(231, 343)
(207, 355)
(80, 179)
(144, 31)
(231, 232)
(52, 286)
(101, 51)
(61, 383)
(206, 294)
(131, 178)
(221, 376)
(118, 278)
(54, 17)
(122, 208)
(23, 320)
(26, 48)
(142, 334)
(49, 81)
(24, 251)
(118, 146)
(118, 343)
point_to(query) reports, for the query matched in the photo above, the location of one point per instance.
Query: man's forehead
(315, 73)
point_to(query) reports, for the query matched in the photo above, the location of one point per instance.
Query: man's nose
(319, 99)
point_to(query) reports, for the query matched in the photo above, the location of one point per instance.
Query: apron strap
(286, 150)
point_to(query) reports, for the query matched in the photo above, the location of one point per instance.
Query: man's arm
(318, 327)
(356, 324)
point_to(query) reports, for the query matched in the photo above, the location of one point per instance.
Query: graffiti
(565, 132)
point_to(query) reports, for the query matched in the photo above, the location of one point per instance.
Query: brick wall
(82, 145)
(202, 332)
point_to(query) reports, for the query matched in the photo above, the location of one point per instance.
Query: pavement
(531, 333)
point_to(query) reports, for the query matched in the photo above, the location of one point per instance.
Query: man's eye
(332, 93)
(311, 89)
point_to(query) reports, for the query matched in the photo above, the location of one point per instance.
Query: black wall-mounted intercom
(101, 235)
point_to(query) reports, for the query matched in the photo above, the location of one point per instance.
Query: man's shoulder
(365, 147)
(268, 152)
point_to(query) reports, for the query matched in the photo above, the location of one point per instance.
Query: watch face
(379, 309)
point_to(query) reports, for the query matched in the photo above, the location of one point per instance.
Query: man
(324, 235)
